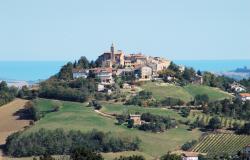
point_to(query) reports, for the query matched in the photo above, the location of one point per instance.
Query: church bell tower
(112, 50)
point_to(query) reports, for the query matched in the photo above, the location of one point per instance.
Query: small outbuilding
(136, 118)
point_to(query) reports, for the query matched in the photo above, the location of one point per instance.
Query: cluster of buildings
(115, 62)
(240, 91)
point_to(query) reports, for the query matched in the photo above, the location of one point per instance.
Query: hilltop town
(118, 63)
(127, 106)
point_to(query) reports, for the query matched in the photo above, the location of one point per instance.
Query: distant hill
(238, 73)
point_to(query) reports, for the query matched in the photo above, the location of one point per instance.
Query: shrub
(188, 145)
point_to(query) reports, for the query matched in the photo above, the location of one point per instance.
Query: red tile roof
(245, 94)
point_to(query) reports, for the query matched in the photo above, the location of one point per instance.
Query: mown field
(77, 116)
(115, 108)
(215, 144)
(186, 93)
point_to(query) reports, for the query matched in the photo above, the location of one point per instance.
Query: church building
(112, 58)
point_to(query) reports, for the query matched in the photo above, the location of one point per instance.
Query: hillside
(186, 93)
(79, 117)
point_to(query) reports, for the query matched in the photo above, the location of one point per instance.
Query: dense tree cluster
(188, 145)
(156, 123)
(78, 90)
(235, 108)
(246, 83)
(134, 157)
(144, 98)
(221, 82)
(170, 101)
(27, 93)
(170, 156)
(6, 94)
(59, 142)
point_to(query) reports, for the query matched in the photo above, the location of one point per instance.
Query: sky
(63, 30)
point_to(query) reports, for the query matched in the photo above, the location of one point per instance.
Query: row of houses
(106, 74)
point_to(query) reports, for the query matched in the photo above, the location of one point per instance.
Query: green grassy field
(161, 91)
(213, 93)
(187, 93)
(79, 117)
(215, 144)
(119, 108)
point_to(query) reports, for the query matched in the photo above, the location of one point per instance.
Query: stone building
(136, 118)
(112, 58)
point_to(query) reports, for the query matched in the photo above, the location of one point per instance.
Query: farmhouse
(244, 96)
(136, 118)
(238, 87)
(190, 156)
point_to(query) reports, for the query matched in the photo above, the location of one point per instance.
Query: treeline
(246, 83)
(66, 72)
(78, 90)
(235, 108)
(189, 75)
(59, 142)
(7, 94)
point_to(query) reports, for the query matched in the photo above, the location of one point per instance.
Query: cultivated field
(215, 144)
(9, 122)
(186, 93)
(79, 117)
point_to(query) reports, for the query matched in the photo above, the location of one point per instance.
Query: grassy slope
(213, 93)
(77, 116)
(187, 93)
(119, 108)
(162, 91)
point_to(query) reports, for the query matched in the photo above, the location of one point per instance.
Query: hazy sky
(177, 29)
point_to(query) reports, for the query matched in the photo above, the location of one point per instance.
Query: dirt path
(9, 122)
(104, 114)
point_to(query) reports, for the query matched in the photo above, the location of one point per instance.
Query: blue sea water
(29, 70)
(40, 70)
(214, 65)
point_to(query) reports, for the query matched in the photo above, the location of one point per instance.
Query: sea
(32, 71)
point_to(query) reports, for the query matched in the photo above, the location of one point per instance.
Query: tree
(201, 99)
(83, 62)
(85, 154)
(130, 123)
(189, 74)
(214, 123)
(3, 86)
(134, 157)
(169, 156)
(66, 72)
(188, 145)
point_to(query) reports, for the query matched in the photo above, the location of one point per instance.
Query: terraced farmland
(217, 144)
